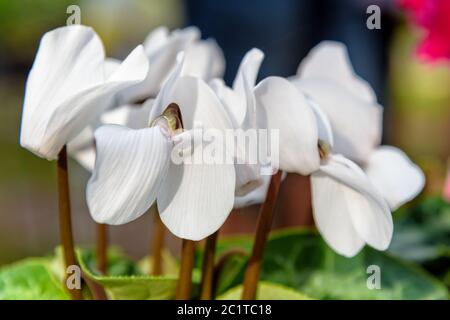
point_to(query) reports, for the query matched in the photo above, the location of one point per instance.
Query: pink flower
(434, 17)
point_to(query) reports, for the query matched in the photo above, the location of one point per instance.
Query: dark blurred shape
(287, 29)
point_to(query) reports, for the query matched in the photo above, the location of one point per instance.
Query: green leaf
(422, 232)
(130, 286)
(266, 291)
(30, 279)
(301, 260)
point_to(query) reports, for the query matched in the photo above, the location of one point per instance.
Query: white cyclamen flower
(240, 105)
(326, 75)
(68, 87)
(134, 167)
(348, 210)
(204, 59)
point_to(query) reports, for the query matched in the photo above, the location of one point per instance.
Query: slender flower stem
(102, 247)
(206, 291)
(159, 231)
(187, 264)
(264, 223)
(65, 222)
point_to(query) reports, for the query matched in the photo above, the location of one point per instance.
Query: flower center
(170, 119)
(324, 149)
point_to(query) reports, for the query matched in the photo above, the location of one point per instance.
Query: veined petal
(284, 108)
(205, 60)
(195, 199)
(341, 188)
(395, 176)
(330, 60)
(129, 170)
(69, 61)
(356, 124)
(67, 121)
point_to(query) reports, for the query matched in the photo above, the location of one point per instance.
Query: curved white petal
(341, 191)
(131, 116)
(323, 124)
(196, 198)
(256, 196)
(327, 76)
(82, 149)
(162, 58)
(198, 104)
(110, 66)
(284, 108)
(395, 176)
(204, 59)
(331, 216)
(234, 104)
(69, 61)
(164, 95)
(66, 89)
(155, 40)
(330, 60)
(356, 124)
(85, 157)
(129, 170)
(244, 84)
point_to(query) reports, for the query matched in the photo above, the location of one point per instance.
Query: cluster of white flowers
(119, 121)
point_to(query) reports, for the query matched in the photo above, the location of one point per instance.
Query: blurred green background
(417, 115)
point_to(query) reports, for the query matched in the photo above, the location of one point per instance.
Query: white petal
(155, 40)
(330, 60)
(256, 196)
(110, 66)
(54, 121)
(326, 75)
(248, 71)
(341, 189)
(198, 105)
(284, 108)
(195, 199)
(204, 59)
(234, 104)
(131, 116)
(82, 149)
(162, 60)
(129, 169)
(356, 124)
(244, 84)
(331, 215)
(58, 74)
(85, 157)
(323, 124)
(396, 177)
(164, 95)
